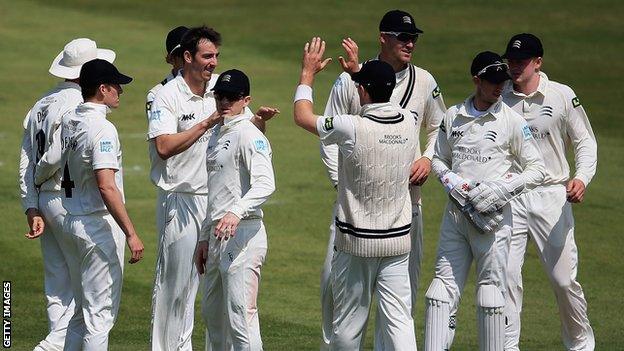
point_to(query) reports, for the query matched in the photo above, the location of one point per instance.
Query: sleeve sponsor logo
(338, 83)
(436, 92)
(576, 102)
(526, 132)
(261, 145)
(106, 146)
(329, 123)
(148, 107)
(154, 115)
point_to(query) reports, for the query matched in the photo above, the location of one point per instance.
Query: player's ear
(247, 100)
(188, 58)
(538, 64)
(476, 80)
(382, 40)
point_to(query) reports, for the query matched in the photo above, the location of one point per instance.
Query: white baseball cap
(68, 62)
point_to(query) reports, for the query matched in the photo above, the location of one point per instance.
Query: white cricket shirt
(88, 142)
(39, 159)
(557, 119)
(240, 173)
(151, 94)
(486, 148)
(176, 109)
(416, 90)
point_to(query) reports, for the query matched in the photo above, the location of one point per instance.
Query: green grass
(583, 42)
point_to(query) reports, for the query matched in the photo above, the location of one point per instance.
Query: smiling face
(201, 65)
(397, 49)
(523, 71)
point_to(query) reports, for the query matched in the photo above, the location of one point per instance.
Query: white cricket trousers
(57, 284)
(96, 267)
(415, 259)
(545, 215)
(231, 282)
(460, 243)
(179, 217)
(354, 282)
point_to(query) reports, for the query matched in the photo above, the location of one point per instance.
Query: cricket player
(182, 113)
(558, 122)
(233, 242)
(478, 143)
(39, 178)
(97, 222)
(174, 58)
(415, 90)
(374, 209)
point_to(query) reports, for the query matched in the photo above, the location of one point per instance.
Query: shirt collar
(381, 110)
(229, 121)
(541, 87)
(93, 108)
(400, 74)
(493, 110)
(68, 85)
(186, 91)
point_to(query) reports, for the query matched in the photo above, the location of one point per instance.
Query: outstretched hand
(313, 61)
(351, 64)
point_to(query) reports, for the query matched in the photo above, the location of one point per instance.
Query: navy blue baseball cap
(522, 46)
(98, 71)
(174, 38)
(489, 66)
(232, 81)
(376, 75)
(398, 21)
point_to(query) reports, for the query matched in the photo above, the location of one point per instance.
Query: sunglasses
(497, 67)
(229, 96)
(403, 37)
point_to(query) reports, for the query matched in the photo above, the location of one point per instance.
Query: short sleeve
(162, 118)
(106, 149)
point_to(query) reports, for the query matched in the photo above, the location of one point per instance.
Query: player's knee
(437, 293)
(562, 281)
(490, 297)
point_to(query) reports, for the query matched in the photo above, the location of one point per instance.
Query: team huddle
(500, 156)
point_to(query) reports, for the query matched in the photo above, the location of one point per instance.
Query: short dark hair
(379, 94)
(88, 91)
(195, 35)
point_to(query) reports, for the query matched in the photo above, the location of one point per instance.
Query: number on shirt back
(67, 183)
(40, 139)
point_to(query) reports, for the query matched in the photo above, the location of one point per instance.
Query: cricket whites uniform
(240, 180)
(151, 94)
(372, 243)
(417, 91)
(39, 166)
(90, 142)
(556, 119)
(478, 146)
(180, 211)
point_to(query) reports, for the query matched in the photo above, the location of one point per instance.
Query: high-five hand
(313, 61)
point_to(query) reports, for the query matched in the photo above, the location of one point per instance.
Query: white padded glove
(491, 196)
(483, 222)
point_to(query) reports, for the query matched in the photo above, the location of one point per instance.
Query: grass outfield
(583, 48)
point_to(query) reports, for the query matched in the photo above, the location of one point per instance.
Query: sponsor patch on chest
(392, 139)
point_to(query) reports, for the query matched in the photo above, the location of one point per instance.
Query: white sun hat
(68, 62)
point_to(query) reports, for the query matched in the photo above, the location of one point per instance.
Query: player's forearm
(586, 160)
(114, 203)
(168, 145)
(28, 193)
(304, 116)
(257, 195)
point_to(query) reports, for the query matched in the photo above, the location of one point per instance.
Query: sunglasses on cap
(403, 37)
(498, 66)
(229, 96)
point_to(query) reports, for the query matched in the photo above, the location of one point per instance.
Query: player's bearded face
(522, 70)
(205, 60)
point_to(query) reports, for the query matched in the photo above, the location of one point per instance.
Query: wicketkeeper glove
(484, 223)
(491, 196)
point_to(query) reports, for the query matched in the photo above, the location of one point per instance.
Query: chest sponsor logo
(546, 111)
(537, 134)
(576, 102)
(106, 146)
(392, 139)
(470, 154)
(187, 117)
(457, 133)
(491, 135)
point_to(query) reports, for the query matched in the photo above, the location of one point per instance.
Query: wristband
(303, 92)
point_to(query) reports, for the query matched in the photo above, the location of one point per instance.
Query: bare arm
(168, 145)
(263, 115)
(312, 63)
(111, 195)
